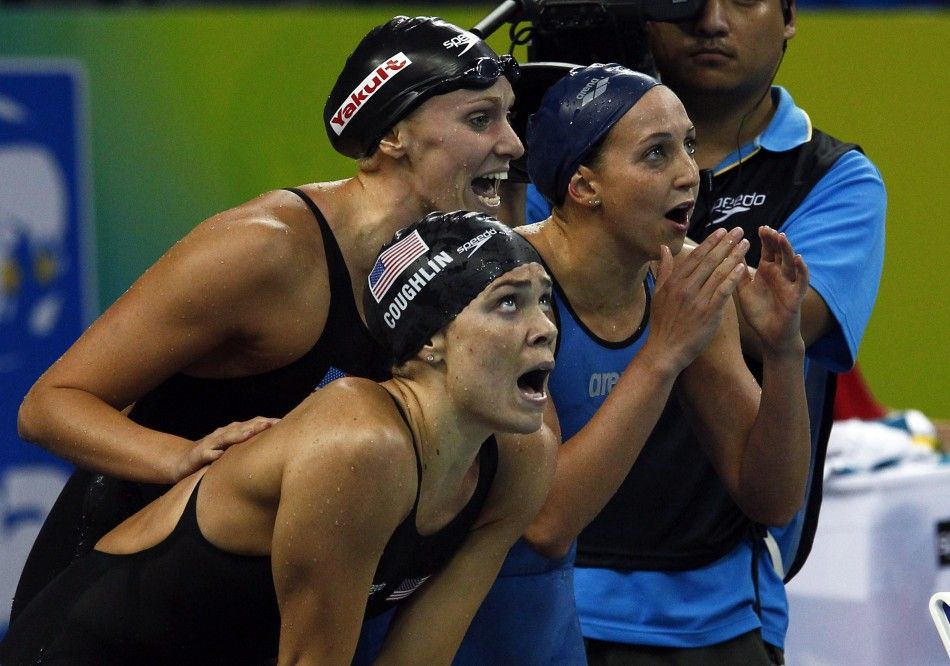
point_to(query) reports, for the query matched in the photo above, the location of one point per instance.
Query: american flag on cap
(393, 262)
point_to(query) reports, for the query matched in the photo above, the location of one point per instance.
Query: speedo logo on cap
(594, 89)
(366, 89)
(471, 245)
(466, 39)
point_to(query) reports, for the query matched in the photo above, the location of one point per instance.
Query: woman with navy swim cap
(367, 496)
(611, 149)
(261, 304)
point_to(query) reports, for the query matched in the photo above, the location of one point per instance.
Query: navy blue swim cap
(430, 271)
(575, 113)
(396, 67)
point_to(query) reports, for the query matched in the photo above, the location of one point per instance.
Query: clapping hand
(771, 297)
(691, 292)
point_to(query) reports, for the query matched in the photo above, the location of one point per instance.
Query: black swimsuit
(186, 601)
(409, 557)
(191, 407)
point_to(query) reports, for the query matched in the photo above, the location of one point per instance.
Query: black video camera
(593, 13)
(586, 31)
(562, 33)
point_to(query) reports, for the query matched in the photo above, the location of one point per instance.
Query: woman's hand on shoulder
(210, 447)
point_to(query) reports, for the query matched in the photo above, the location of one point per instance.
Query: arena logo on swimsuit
(413, 286)
(367, 88)
(601, 383)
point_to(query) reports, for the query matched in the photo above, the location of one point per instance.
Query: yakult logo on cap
(366, 89)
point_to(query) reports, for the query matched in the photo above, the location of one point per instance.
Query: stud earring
(594, 202)
(430, 358)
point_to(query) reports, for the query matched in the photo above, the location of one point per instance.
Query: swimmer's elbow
(36, 413)
(777, 516)
(27, 418)
(546, 539)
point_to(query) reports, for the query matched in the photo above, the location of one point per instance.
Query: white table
(881, 550)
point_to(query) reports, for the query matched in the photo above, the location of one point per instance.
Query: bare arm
(686, 312)
(211, 294)
(758, 442)
(344, 491)
(432, 623)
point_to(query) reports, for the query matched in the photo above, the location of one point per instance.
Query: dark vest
(672, 512)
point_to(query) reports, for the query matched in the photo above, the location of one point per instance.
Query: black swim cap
(575, 113)
(395, 68)
(430, 271)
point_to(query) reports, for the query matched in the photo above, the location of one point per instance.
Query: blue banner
(46, 278)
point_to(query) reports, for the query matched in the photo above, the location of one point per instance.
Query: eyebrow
(666, 135)
(520, 284)
(483, 95)
(661, 137)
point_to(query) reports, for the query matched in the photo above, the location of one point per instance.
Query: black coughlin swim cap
(395, 68)
(575, 113)
(430, 271)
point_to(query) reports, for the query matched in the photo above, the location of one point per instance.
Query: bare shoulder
(355, 423)
(348, 478)
(260, 270)
(529, 230)
(271, 237)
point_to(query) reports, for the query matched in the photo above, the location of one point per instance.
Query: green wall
(880, 80)
(194, 110)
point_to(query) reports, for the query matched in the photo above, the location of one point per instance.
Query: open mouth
(534, 383)
(486, 188)
(680, 214)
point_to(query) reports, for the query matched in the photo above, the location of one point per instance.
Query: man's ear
(789, 13)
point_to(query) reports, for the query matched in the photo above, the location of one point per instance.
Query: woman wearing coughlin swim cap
(259, 305)
(611, 149)
(367, 496)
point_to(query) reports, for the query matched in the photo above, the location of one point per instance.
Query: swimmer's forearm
(86, 431)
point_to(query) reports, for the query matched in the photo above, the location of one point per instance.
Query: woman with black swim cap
(257, 306)
(365, 497)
